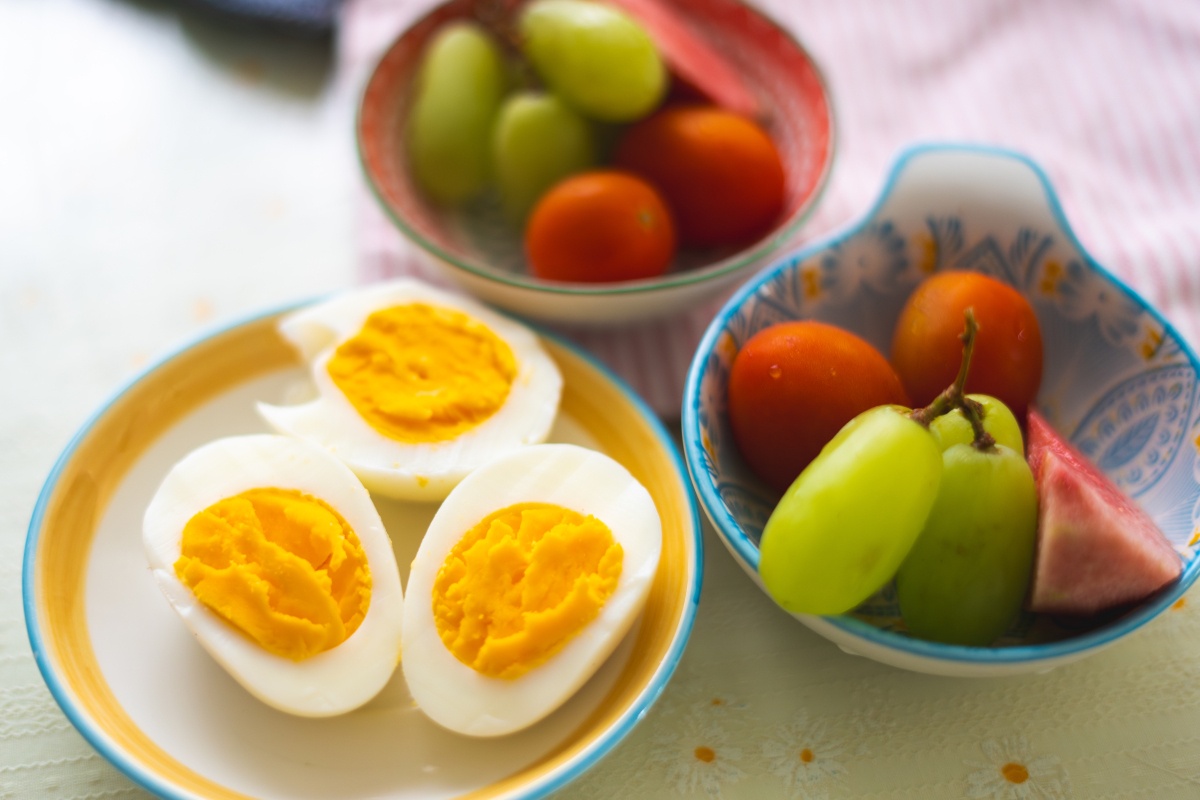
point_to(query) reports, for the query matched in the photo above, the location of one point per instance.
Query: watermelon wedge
(691, 58)
(1096, 548)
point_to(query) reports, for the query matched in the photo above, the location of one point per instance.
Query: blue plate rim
(732, 534)
(535, 790)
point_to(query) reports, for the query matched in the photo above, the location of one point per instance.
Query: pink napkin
(1104, 96)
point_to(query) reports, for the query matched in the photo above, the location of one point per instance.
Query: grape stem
(497, 18)
(955, 396)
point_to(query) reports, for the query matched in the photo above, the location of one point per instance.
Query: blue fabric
(314, 14)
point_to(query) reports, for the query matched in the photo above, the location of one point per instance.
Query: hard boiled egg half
(273, 555)
(531, 572)
(417, 387)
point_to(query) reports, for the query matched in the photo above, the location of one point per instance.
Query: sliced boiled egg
(272, 553)
(417, 387)
(530, 574)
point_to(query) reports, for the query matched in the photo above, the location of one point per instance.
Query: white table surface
(160, 174)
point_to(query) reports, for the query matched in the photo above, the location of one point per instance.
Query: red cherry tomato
(926, 350)
(720, 172)
(600, 226)
(794, 385)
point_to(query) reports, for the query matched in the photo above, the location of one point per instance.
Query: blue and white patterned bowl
(1117, 379)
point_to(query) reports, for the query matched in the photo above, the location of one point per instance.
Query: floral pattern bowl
(1118, 380)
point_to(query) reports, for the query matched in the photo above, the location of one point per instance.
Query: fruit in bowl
(718, 172)
(794, 385)
(966, 575)
(457, 95)
(595, 56)
(951, 515)
(600, 226)
(1008, 358)
(1097, 548)
(952, 522)
(1118, 384)
(732, 62)
(537, 140)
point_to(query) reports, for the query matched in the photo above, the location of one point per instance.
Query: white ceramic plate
(135, 683)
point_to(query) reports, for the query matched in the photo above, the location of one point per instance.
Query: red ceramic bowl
(478, 251)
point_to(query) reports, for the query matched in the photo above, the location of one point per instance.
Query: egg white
(403, 470)
(463, 700)
(335, 681)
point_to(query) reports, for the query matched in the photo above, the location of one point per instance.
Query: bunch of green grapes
(472, 124)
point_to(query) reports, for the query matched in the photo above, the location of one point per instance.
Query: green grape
(595, 57)
(966, 576)
(538, 141)
(953, 428)
(459, 86)
(847, 522)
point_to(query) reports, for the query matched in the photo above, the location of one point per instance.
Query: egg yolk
(418, 373)
(521, 584)
(280, 566)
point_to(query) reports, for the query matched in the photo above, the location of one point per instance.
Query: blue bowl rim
(151, 782)
(747, 551)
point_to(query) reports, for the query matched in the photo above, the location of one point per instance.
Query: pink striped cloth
(1103, 94)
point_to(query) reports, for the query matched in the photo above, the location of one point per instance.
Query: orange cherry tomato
(794, 385)
(600, 226)
(926, 350)
(719, 172)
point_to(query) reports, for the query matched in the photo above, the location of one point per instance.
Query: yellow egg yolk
(418, 373)
(281, 566)
(521, 584)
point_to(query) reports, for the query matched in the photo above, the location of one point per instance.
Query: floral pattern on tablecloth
(1012, 772)
(763, 709)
